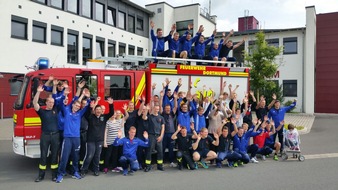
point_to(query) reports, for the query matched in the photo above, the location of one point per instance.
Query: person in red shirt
(260, 139)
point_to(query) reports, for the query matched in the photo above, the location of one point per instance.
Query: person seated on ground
(186, 41)
(227, 46)
(199, 52)
(224, 151)
(184, 142)
(241, 141)
(130, 145)
(201, 149)
(260, 139)
(292, 137)
(159, 40)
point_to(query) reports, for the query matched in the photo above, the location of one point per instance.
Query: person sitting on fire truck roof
(159, 40)
(214, 51)
(71, 142)
(227, 46)
(200, 44)
(187, 41)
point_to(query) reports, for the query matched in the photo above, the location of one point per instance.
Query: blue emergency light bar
(42, 63)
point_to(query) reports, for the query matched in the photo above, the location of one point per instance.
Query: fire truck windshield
(21, 96)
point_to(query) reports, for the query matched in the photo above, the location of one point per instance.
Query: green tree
(261, 59)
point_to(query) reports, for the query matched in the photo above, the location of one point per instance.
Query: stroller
(292, 145)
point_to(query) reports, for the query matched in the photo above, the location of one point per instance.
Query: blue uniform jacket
(130, 146)
(277, 115)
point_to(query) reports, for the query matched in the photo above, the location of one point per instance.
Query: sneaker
(160, 167)
(173, 165)
(116, 170)
(263, 158)
(59, 178)
(230, 164)
(148, 168)
(219, 165)
(76, 175)
(241, 163)
(105, 170)
(275, 157)
(39, 178)
(125, 172)
(96, 173)
(196, 166)
(120, 168)
(253, 160)
(203, 164)
(236, 164)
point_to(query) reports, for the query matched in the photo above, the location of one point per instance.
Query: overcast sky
(272, 14)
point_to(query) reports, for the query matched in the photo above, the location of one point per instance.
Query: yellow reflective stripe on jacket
(101, 162)
(159, 161)
(148, 162)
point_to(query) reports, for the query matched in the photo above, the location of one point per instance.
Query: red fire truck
(123, 85)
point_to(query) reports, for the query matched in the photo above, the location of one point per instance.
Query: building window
(117, 87)
(182, 27)
(39, 32)
(140, 51)
(290, 45)
(111, 16)
(19, 27)
(99, 47)
(19, 30)
(290, 88)
(273, 42)
(159, 10)
(72, 48)
(131, 24)
(131, 50)
(99, 12)
(72, 6)
(139, 24)
(41, 1)
(57, 3)
(87, 8)
(56, 35)
(122, 20)
(86, 49)
(111, 49)
(122, 49)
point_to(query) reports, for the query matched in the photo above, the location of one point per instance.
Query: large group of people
(180, 47)
(198, 130)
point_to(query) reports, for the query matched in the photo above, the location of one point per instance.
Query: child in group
(292, 138)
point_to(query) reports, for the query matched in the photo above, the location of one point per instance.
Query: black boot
(54, 174)
(41, 176)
